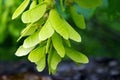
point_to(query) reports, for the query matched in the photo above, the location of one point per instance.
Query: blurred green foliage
(102, 34)
(100, 38)
(9, 30)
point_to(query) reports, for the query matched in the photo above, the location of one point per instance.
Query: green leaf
(34, 14)
(77, 18)
(89, 3)
(57, 23)
(76, 56)
(33, 4)
(50, 53)
(58, 45)
(74, 35)
(46, 31)
(20, 9)
(21, 51)
(53, 71)
(41, 64)
(32, 40)
(37, 54)
(48, 45)
(55, 60)
(29, 30)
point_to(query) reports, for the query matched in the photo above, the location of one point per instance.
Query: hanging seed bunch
(48, 34)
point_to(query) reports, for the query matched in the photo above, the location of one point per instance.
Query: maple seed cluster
(48, 34)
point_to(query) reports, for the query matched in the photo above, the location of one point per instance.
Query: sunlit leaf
(58, 45)
(54, 60)
(32, 27)
(26, 31)
(76, 56)
(77, 18)
(41, 64)
(89, 3)
(21, 51)
(34, 14)
(37, 54)
(20, 9)
(57, 24)
(53, 71)
(32, 40)
(46, 31)
(74, 35)
(33, 4)
(50, 53)
(48, 45)
(29, 30)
